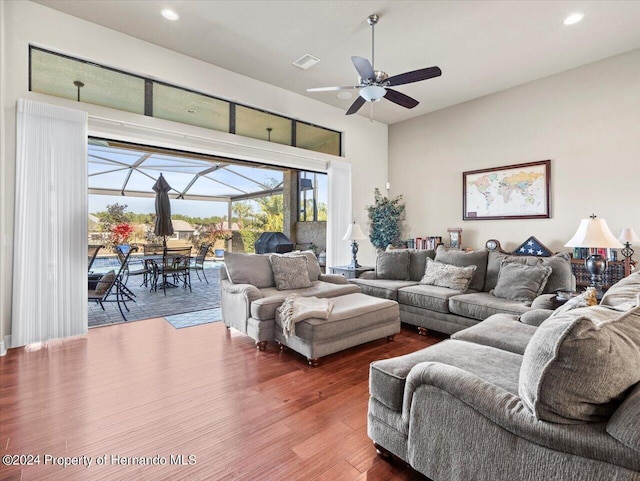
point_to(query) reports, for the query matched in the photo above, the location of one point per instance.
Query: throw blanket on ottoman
(296, 308)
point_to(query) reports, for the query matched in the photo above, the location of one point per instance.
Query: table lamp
(594, 233)
(627, 236)
(354, 233)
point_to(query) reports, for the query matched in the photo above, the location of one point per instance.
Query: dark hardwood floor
(145, 389)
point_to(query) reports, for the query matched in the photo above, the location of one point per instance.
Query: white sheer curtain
(50, 234)
(339, 208)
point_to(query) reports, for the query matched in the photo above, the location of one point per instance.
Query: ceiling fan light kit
(374, 84)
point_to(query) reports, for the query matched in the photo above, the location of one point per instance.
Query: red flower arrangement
(121, 233)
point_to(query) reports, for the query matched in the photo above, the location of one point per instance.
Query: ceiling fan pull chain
(371, 112)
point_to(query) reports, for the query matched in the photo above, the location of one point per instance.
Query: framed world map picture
(519, 191)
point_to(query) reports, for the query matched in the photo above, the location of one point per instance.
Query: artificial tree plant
(385, 220)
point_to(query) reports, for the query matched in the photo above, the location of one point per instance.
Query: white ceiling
(481, 46)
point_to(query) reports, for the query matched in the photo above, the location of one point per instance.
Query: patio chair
(92, 254)
(133, 267)
(175, 265)
(110, 288)
(198, 264)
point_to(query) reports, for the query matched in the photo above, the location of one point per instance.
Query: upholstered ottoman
(355, 319)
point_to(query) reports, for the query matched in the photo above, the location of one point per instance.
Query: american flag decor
(532, 247)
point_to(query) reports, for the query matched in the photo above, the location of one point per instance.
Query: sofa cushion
(447, 275)
(418, 262)
(481, 305)
(387, 378)
(385, 289)
(393, 265)
(313, 266)
(290, 272)
(502, 331)
(577, 367)
(561, 276)
(254, 269)
(520, 282)
(461, 258)
(623, 292)
(265, 307)
(624, 425)
(433, 298)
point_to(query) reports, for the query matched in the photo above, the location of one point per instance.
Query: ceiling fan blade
(331, 89)
(400, 99)
(415, 76)
(364, 68)
(355, 106)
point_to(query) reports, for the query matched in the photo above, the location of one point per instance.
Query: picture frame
(455, 237)
(518, 191)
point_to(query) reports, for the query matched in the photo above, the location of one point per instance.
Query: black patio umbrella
(163, 225)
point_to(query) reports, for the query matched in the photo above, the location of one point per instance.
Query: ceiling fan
(374, 84)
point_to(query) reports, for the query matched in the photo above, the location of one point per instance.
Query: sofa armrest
(475, 400)
(371, 275)
(535, 317)
(543, 301)
(333, 278)
(236, 300)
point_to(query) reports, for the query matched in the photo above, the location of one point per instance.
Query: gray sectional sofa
(509, 399)
(436, 306)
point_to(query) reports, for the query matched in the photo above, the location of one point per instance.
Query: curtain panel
(339, 213)
(50, 231)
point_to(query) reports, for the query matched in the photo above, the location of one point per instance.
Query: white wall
(587, 121)
(365, 144)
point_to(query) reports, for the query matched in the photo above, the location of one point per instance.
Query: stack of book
(584, 252)
(424, 242)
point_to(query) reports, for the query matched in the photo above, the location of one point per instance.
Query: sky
(142, 205)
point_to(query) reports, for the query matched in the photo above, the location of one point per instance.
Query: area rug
(195, 318)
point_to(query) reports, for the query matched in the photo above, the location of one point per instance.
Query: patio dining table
(175, 264)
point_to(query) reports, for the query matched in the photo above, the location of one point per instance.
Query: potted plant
(385, 219)
(218, 236)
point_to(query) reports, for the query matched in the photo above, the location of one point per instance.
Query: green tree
(114, 215)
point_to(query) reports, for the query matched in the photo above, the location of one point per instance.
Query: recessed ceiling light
(191, 111)
(573, 18)
(170, 14)
(344, 95)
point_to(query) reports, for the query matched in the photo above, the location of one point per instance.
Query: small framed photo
(455, 237)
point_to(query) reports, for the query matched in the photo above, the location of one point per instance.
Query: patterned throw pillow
(290, 272)
(446, 275)
(104, 282)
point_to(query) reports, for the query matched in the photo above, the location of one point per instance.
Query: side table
(350, 272)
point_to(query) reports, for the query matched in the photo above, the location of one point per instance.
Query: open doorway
(221, 202)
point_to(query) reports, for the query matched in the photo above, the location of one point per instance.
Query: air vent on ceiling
(306, 61)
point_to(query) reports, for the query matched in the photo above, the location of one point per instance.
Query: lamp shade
(593, 232)
(627, 234)
(354, 232)
(372, 93)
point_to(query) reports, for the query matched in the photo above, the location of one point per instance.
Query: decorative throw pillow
(312, 263)
(561, 276)
(393, 265)
(447, 275)
(461, 258)
(623, 292)
(254, 269)
(586, 299)
(290, 272)
(104, 283)
(578, 367)
(520, 282)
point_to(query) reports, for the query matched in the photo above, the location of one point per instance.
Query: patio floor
(155, 304)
